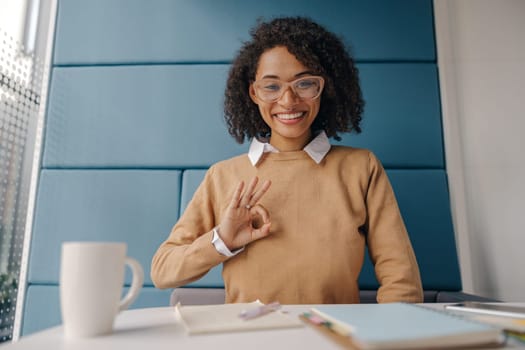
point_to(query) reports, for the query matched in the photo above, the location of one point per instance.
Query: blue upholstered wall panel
(145, 116)
(43, 305)
(134, 206)
(424, 202)
(135, 31)
(423, 199)
(171, 116)
(190, 181)
(402, 119)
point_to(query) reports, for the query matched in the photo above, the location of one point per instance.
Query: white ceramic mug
(91, 284)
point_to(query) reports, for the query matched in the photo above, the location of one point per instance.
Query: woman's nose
(288, 99)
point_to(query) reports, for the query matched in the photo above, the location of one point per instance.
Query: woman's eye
(272, 87)
(305, 84)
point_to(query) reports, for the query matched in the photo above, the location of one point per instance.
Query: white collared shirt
(316, 149)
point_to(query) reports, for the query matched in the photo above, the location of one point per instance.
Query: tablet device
(496, 309)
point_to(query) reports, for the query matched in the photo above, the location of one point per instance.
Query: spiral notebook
(406, 326)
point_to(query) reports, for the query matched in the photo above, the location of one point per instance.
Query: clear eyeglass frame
(306, 88)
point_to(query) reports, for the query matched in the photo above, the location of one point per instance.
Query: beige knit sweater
(321, 216)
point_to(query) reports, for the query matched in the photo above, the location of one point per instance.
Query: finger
(237, 195)
(247, 195)
(262, 212)
(258, 195)
(261, 232)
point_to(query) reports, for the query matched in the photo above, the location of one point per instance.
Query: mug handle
(136, 283)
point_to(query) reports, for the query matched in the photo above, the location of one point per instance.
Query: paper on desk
(201, 319)
(507, 323)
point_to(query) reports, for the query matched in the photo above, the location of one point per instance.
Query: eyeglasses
(306, 88)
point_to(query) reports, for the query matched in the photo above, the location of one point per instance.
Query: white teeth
(289, 116)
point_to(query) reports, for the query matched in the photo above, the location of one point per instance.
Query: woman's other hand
(238, 228)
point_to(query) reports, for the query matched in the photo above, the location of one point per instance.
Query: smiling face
(289, 117)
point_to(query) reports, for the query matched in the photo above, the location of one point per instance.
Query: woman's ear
(252, 95)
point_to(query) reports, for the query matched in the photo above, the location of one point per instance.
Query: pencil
(330, 330)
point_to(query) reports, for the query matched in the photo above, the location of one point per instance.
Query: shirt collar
(316, 149)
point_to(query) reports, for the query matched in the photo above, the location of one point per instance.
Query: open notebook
(406, 326)
(202, 319)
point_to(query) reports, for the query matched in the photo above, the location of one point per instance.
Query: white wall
(12, 14)
(481, 60)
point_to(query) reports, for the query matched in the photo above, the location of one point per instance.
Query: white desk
(157, 329)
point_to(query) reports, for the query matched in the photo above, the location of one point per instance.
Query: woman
(297, 235)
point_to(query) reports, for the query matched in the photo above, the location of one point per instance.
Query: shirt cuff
(221, 247)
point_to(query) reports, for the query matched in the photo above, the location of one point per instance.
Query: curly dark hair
(316, 48)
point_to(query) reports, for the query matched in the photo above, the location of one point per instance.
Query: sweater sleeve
(388, 242)
(188, 252)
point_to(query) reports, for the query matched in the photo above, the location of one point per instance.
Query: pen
(259, 311)
(318, 321)
(331, 330)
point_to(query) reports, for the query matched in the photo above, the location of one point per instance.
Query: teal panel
(41, 310)
(424, 203)
(147, 116)
(131, 31)
(171, 116)
(134, 206)
(191, 179)
(150, 297)
(402, 119)
(42, 305)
